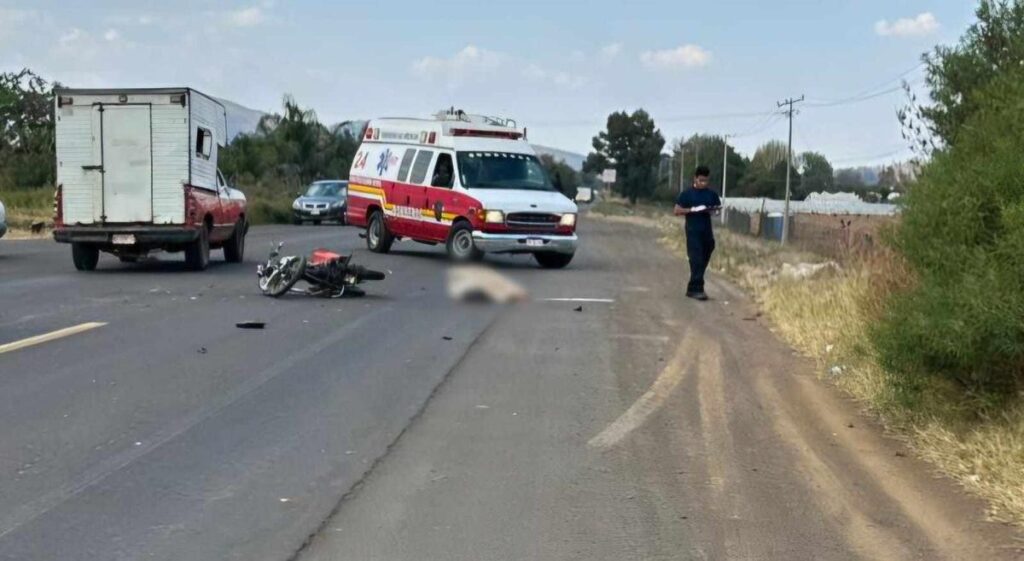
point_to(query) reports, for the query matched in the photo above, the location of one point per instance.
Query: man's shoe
(699, 296)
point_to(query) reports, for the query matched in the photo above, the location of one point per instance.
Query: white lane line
(642, 408)
(598, 300)
(47, 337)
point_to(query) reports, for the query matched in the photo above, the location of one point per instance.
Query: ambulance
(470, 182)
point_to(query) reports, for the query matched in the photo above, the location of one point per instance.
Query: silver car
(3, 220)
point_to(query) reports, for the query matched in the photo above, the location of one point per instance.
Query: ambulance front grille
(532, 221)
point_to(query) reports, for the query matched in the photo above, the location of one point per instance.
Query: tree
(956, 75)
(632, 145)
(563, 177)
(26, 130)
(817, 177)
(292, 147)
(766, 174)
(849, 179)
(962, 235)
(707, 150)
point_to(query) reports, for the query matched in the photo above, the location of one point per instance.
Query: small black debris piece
(251, 325)
(446, 338)
(202, 350)
(578, 309)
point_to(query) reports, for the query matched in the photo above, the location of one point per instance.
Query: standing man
(697, 204)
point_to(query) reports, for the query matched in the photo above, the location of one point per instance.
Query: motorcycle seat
(321, 256)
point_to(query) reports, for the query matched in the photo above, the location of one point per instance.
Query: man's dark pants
(699, 246)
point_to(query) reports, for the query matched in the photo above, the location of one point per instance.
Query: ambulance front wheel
(460, 246)
(378, 238)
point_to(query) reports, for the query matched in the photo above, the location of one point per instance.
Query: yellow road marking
(47, 337)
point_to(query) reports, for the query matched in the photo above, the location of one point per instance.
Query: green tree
(707, 150)
(817, 177)
(632, 145)
(962, 234)
(956, 75)
(564, 178)
(26, 130)
(849, 180)
(766, 174)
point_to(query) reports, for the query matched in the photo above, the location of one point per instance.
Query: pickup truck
(137, 172)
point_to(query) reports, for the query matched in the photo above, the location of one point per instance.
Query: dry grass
(827, 317)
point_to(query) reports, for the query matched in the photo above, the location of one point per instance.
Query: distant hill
(241, 119)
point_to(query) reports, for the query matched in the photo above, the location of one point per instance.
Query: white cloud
(611, 50)
(684, 56)
(469, 61)
(145, 20)
(70, 37)
(111, 35)
(246, 17)
(922, 24)
(577, 56)
(534, 72)
(571, 81)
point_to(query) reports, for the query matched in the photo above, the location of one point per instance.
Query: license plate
(534, 243)
(123, 239)
(315, 212)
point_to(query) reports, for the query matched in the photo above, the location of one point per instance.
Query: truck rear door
(127, 163)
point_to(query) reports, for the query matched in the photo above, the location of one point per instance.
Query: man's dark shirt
(698, 222)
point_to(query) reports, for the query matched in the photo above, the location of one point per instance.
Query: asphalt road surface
(629, 423)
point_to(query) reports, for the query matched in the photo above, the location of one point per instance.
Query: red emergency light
(512, 135)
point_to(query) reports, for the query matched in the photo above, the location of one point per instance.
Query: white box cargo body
(124, 156)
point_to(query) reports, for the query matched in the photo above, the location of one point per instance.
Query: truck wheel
(234, 248)
(85, 256)
(197, 253)
(460, 244)
(316, 222)
(550, 260)
(378, 238)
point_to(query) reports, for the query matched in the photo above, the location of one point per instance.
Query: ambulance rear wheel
(378, 238)
(460, 244)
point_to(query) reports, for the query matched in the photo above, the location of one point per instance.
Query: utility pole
(725, 169)
(682, 167)
(789, 164)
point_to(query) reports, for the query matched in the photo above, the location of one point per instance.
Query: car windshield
(502, 170)
(325, 189)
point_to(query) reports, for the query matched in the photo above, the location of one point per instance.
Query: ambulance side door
(439, 199)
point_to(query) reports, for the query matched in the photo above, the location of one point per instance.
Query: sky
(558, 67)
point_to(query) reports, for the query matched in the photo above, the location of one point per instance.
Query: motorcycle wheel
(286, 272)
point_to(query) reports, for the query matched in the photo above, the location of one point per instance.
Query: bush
(962, 235)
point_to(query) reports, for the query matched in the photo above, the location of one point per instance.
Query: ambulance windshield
(502, 170)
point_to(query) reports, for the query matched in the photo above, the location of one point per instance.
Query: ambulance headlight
(568, 219)
(494, 217)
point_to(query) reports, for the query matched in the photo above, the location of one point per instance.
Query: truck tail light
(58, 205)
(432, 138)
(190, 205)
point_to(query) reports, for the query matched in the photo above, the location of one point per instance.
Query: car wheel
(551, 260)
(234, 248)
(378, 238)
(460, 244)
(296, 222)
(85, 256)
(197, 253)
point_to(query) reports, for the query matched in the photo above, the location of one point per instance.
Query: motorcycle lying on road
(327, 274)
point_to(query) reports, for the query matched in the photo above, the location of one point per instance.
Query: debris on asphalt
(475, 283)
(483, 407)
(578, 309)
(284, 500)
(202, 350)
(446, 338)
(849, 425)
(251, 324)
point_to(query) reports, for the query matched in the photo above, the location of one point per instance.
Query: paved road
(403, 426)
